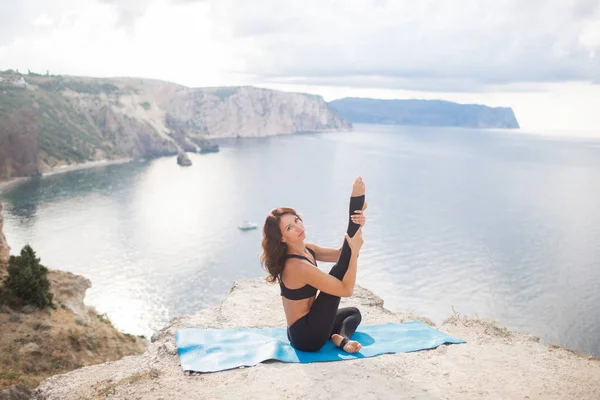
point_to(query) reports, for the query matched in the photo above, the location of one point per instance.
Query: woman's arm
(328, 283)
(327, 254)
(324, 254)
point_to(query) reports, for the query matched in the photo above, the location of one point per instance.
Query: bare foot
(352, 346)
(358, 188)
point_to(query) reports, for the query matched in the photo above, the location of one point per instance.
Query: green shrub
(27, 279)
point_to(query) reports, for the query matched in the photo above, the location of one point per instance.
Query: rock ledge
(494, 363)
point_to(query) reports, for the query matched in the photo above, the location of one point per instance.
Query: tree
(27, 279)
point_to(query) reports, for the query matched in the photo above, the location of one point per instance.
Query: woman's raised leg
(324, 309)
(340, 268)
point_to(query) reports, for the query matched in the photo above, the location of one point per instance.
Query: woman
(311, 319)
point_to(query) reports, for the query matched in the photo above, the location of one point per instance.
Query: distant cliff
(425, 113)
(50, 121)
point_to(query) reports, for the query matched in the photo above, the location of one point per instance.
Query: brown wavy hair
(274, 250)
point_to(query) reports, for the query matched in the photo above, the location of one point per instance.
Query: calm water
(502, 225)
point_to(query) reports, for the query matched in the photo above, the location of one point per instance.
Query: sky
(542, 58)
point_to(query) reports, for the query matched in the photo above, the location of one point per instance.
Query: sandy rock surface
(493, 364)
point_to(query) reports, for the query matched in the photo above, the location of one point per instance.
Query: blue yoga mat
(210, 350)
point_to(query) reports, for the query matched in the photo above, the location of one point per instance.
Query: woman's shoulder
(296, 265)
(311, 247)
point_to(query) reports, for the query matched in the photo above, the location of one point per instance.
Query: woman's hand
(359, 218)
(356, 241)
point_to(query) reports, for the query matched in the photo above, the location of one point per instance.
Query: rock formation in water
(425, 113)
(183, 160)
(475, 370)
(51, 121)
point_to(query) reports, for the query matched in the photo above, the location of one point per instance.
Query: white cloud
(472, 42)
(166, 41)
(18, 18)
(43, 20)
(127, 11)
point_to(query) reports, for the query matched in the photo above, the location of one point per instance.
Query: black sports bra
(305, 291)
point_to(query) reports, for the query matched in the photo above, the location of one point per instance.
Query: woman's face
(292, 228)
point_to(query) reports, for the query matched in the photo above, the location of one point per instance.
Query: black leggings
(312, 331)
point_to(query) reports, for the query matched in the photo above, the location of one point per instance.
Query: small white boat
(246, 226)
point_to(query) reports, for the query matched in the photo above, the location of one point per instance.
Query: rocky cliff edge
(494, 363)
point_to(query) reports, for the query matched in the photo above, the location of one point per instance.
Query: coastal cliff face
(51, 121)
(248, 111)
(4, 248)
(36, 344)
(18, 141)
(494, 363)
(69, 290)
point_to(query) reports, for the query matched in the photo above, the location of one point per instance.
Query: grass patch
(103, 318)
(9, 378)
(90, 87)
(64, 133)
(490, 327)
(454, 318)
(42, 326)
(91, 341)
(29, 309)
(9, 375)
(224, 92)
(16, 317)
(137, 377)
(74, 336)
(14, 100)
(8, 87)
(145, 105)
(129, 336)
(576, 353)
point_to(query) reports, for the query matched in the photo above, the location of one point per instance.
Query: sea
(496, 224)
